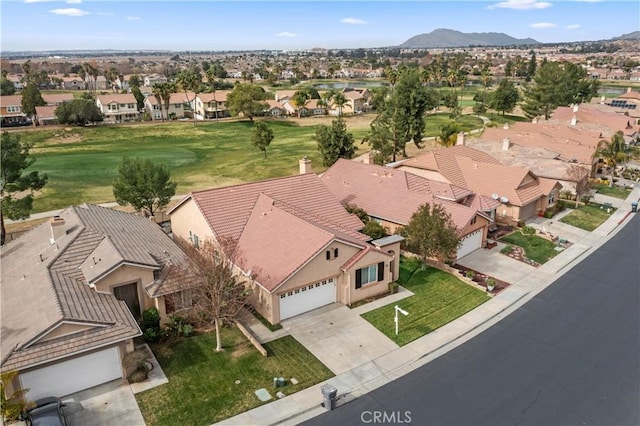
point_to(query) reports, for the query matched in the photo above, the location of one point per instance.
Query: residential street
(570, 356)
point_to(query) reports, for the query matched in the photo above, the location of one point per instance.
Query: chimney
(305, 166)
(575, 108)
(628, 89)
(460, 140)
(506, 143)
(506, 126)
(574, 120)
(58, 229)
(368, 158)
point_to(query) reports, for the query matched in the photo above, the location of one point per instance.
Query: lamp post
(395, 319)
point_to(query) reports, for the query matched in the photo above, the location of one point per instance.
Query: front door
(129, 294)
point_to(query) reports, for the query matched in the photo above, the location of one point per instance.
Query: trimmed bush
(528, 230)
(393, 287)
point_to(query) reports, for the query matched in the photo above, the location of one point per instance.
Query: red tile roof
(280, 224)
(592, 119)
(120, 98)
(391, 194)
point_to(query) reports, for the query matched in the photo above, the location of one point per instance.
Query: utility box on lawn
(634, 206)
(329, 394)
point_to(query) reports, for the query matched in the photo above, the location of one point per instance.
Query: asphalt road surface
(570, 356)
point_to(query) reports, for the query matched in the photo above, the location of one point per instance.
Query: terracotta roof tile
(384, 192)
(43, 284)
(120, 98)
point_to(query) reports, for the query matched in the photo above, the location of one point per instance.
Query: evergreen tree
(431, 233)
(78, 112)
(334, 142)
(248, 99)
(505, 98)
(143, 184)
(31, 98)
(16, 187)
(261, 137)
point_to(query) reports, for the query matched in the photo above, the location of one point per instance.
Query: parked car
(46, 412)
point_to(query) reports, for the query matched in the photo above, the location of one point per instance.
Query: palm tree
(485, 77)
(299, 99)
(613, 152)
(340, 100)
(158, 95)
(211, 78)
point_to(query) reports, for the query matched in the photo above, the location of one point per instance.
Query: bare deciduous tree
(581, 177)
(214, 286)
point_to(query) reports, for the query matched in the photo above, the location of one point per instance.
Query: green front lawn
(612, 191)
(588, 217)
(536, 248)
(202, 388)
(438, 299)
(82, 162)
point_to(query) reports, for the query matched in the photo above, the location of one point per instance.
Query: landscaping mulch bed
(500, 232)
(517, 253)
(481, 279)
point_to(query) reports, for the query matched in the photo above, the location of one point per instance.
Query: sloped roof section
(385, 193)
(228, 209)
(44, 284)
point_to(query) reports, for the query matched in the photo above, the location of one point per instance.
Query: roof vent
(495, 196)
(504, 199)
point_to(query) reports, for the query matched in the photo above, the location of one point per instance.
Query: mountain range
(443, 37)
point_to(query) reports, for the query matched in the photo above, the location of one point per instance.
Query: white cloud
(72, 11)
(73, 1)
(543, 25)
(37, 1)
(520, 5)
(353, 21)
(133, 18)
(105, 13)
(287, 34)
(573, 27)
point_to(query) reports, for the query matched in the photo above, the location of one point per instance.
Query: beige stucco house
(72, 289)
(118, 108)
(297, 246)
(391, 196)
(520, 193)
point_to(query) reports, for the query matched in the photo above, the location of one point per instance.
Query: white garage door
(470, 243)
(310, 297)
(74, 375)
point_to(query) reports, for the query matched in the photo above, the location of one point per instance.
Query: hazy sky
(236, 25)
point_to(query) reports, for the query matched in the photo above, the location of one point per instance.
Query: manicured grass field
(588, 217)
(435, 121)
(438, 299)
(202, 388)
(536, 248)
(82, 162)
(612, 191)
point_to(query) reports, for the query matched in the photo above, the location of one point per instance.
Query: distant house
(177, 104)
(11, 111)
(297, 246)
(46, 115)
(55, 99)
(118, 108)
(73, 83)
(151, 79)
(275, 108)
(212, 105)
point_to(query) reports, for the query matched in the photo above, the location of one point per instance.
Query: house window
(282, 296)
(178, 301)
(552, 197)
(13, 109)
(473, 221)
(369, 274)
(331, 253)
(196, 241)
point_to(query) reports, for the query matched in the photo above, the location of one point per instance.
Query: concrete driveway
(338, 337)
(112, 403)
(497, 265)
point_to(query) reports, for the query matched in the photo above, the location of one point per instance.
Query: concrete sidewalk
(377, 372)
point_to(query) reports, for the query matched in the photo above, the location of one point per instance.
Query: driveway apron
(338, 337)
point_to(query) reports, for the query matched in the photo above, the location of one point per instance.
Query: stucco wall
(429, 174)
(126, 274)
(349, 294)
(64, 329)
(187, 218)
